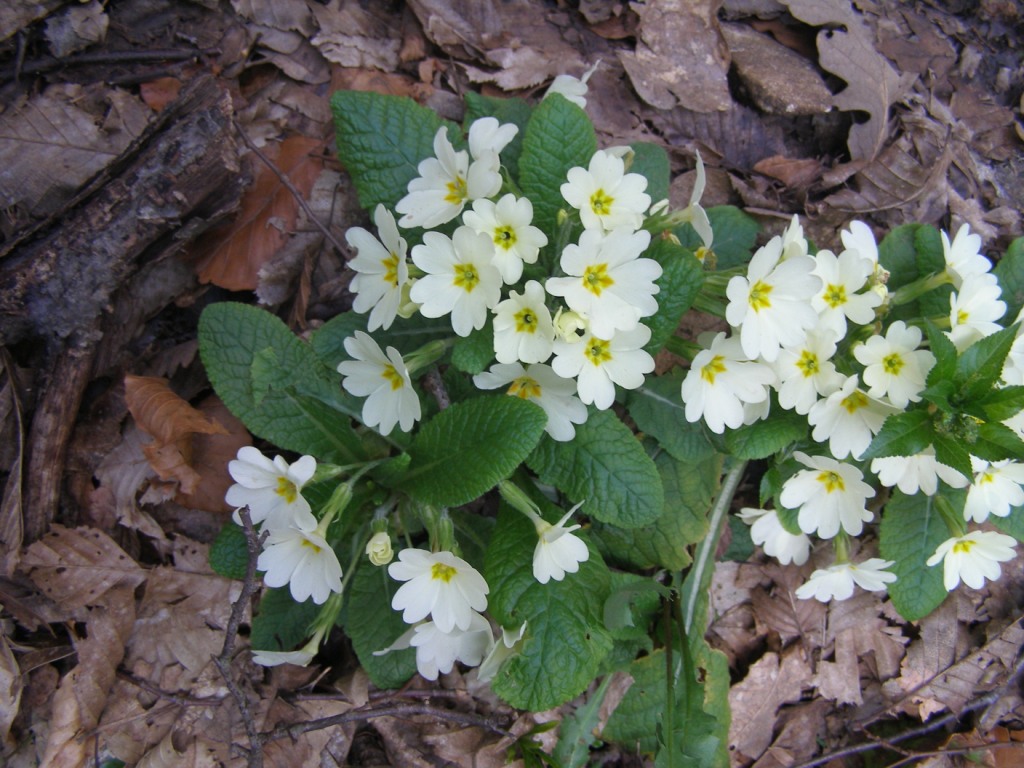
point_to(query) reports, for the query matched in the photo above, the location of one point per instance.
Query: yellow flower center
(466, 277)
(808, 363)
(985, 477)
(442, 572)
(702, 253)
(832, 481)
(286, 489)
(456, 191)
(963, 547)
(835, 295)
(526, 321)
(393, 377)
(525, 388)
(714, 367)
(316, 548)
(504, 237)
(391, 269)
(598, 351)
(596, 278)
(601, 203)
(962, 317)
(893, 363)
(854, 401)
(758, 298)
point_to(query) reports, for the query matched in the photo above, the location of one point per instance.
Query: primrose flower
(806, 372)
(842, 276)
(558, 550)
(829, 494)
(696, 216)
(836, 582)
(272, 490)
(974, 309)
(963, 255)
(571, 88)
(606, 196)
(920, 472)
(460, 278)
(793, 241)
(378, 548)
(523, 330)
(599, 364)
(721, 380)
(440, 585)
(894, 366)
(299, 658)
(996, 489)
(437, 651)
(304, 561)
(771, 306)
(381, 269)
(860, 238)
(972, 558)
(507, 223)
(608, 282)
(383, 379)
(848, 419)
(541, 385)
(499, 652)
(766, 531)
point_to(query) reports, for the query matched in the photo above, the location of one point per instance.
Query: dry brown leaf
(172, 423)
(233, 255)
(76, 567)
(802, 726)
(124, 472)
(10, 691)
(306, 749)
(289, 15)
(158, 93)
(210, 456)
(795, 173)
(16, 16)
(292, 53)
(754, 702)
(355, 35)
(681, 58)
(76, 28)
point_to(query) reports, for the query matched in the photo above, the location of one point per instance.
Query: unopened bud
(569, 325)
(378, 549)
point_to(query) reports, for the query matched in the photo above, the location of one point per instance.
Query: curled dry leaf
(171, 422)
(770, 683)
(231, 256)
(10, 690)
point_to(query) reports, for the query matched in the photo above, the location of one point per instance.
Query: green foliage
(373, 626)
(465, 450)
(295, 403)
(565, 638)
(559, 136)
(606, 467)
(735, 235)
(651, 162)
(473, 353)
(405, 335)
(681, 280)
(912, 529)
(381, 141)
(1010, 272)
(1012, 524)
(766, 436)
(281, 624)
(229, 553)
(506, 110)
(658, 411)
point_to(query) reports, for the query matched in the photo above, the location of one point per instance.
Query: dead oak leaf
(754, 702)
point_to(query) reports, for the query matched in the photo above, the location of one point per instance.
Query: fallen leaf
(354, 35)
(15, 17)
(770, 683)
(802, 727)
(681, 58)
(158, 93)
(232, 255)
(10, 691)
(124, 472)
(795, 173)
(210, 456)
(288, 15)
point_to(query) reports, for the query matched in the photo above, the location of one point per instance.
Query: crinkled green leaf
(372, 625)
(735, 235)
(280, 623)
(1010, 272)
(229, 553)
(951, 450)
(911, 531)
(681, 279)
(651, 162)
(1004, 403)
(945, 356)
(902, 434)
(464, 451)
(997, 442)
(506, 110)
(606, 466)
(559, 136)
(764, 437)
(898, 255)
(381, 141)
(298, 405)
(658, 410)
(789, 518)
(689, 490)
(980, 366)
(473, 353)
(565, 638)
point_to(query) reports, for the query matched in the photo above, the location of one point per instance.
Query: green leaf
(997, 442)
(381, 141)
(735, 235)
(372, 625)
(898, 255)
(1010, 272)
(558, 137)
(658, 410)
(229, 553)
(605, 466)
(1012, 525)
(406, 335)
(281, 624)
(565, 638)
(287, 405)
(577, 732)
(902, 434)
(951, 451)
(507, 110)
(981, 365)
(689, 491)
(931, 259)
(682, 277)
(473, 353)
(1002, 404)
(945, 356)
(789, 518)
(651, 162)
(767, 436)
(464, 451)
(911, 531)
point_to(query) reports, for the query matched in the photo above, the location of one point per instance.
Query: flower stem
(918, 288)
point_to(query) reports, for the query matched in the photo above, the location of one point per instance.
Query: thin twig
(173, 698)
(290, 187)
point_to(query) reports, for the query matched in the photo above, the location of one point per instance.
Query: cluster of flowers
(561, 360)
(789, 315)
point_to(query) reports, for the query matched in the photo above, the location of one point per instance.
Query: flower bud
(378, 548)
(569, 325)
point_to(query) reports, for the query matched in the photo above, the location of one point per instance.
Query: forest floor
(115, 641)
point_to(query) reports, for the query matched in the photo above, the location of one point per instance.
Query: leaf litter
(917, 120)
